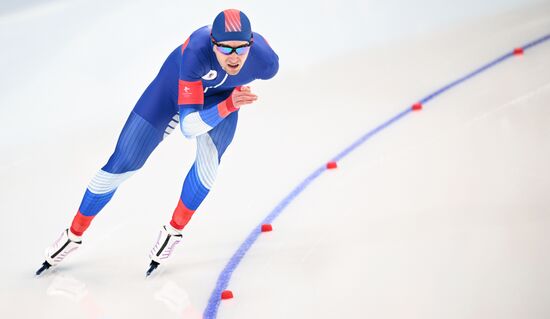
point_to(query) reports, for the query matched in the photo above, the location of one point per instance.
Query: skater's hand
(242, 96)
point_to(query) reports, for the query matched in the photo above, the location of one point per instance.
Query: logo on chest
(210, 75)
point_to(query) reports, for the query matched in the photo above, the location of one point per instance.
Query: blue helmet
(231, 25)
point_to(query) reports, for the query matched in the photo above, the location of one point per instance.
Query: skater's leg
(198, 182)
(152, 119)
(201, 177)
(136, 142)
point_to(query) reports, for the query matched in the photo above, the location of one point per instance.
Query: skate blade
(152, 267)
(45, 265)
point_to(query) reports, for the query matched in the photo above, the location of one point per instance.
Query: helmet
(231, 25)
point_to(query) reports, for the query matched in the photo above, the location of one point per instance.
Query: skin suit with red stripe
(200, 88)
(197, 90)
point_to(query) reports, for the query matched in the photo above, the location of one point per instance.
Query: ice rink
(445, 213)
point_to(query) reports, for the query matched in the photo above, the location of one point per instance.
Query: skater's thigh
(135, 143)
(154, 116)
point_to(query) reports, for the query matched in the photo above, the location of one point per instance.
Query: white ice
(445, 214)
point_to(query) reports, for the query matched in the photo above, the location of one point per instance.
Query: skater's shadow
(70, 288)
(66, 286)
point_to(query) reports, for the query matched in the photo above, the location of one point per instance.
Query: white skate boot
(64, 245)
(167, 239)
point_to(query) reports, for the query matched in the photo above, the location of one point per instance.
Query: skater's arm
(190, 89)
(195, 122)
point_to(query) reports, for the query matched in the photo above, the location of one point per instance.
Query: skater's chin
(233, 69)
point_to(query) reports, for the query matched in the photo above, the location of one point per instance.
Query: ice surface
(443, 215)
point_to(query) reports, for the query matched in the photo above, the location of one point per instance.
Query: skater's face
(231, 55)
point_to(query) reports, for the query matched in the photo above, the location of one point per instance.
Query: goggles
(228, 50)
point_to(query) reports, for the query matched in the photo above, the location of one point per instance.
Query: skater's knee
(105, 182)
(123, 161)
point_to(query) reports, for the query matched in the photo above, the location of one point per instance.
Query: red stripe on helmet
(232, 20)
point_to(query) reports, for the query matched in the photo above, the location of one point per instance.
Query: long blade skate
(167, 239)
(152, 267)
(45, 265)
(63, 246)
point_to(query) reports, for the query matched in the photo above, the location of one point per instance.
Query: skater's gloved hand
(242, 95)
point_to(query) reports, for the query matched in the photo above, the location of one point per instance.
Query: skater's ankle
(172, 230)
(74, 237)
